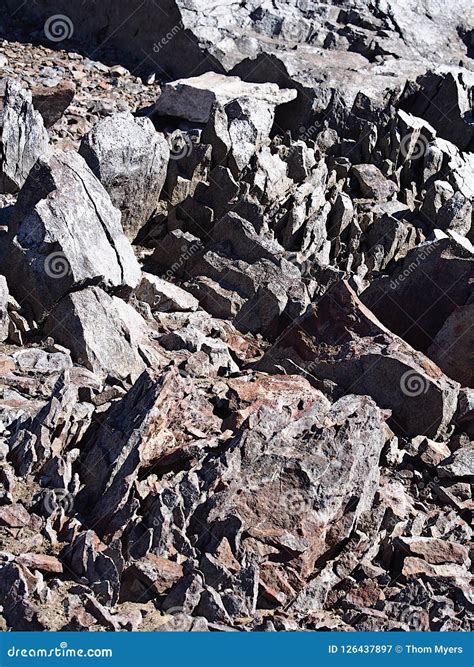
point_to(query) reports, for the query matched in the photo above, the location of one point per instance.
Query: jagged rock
(417, 297)
(341, 340)
(442, 98)
(4, 319)
(432, 550)
(23, 139)
(341, 215)
(40, 562)
(460, 464)
(100, 565)
(68, 234)
(39, 361)
(453, 346)
(104, 334)
(174, 251)
(292, 483)
(215, 298)
(192, 99)
(164, 296)
(14, 516)
(212, 353)
(130, 159)
(372, 182)
(52, 102)
(19, 610)
(148, 577)
(36, 439)
(141, 431)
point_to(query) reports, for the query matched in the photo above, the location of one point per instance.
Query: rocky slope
(236, 319)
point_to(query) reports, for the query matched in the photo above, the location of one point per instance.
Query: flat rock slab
(192, 99)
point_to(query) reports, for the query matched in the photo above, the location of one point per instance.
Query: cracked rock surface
(236, 316)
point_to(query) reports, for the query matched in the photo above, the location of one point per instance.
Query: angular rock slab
(130, 159)
(340, 340)
(289, 489)
(418, 296)
(192, 98)
(68, 234)
(104, 333)
(146, 427)
(23, 139)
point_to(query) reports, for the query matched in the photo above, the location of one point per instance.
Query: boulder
(373, 183)
(164, 296)
(143, 430)
(53, 102)
(340, 340)
(130, 159)
(453, 346)
(192, 99)
(104, 334)
(68, 234)
(420, 294)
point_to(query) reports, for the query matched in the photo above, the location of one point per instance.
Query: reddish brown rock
(14, 516)
(53, 102)
(340, 340)
(40, 562)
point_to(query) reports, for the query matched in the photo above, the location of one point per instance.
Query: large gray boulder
(130, 159)
(422, 291)
(68, 234)
(104, 334)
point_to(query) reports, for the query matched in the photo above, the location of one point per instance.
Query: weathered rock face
(192, 99)
(52, 102)
(341, 341)
(104, 333)
(143, 431)
(289, 500)
(67, 234)
(130, 159)
(247, 415)
(278, 41)
(417, 298)
(23, 137)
